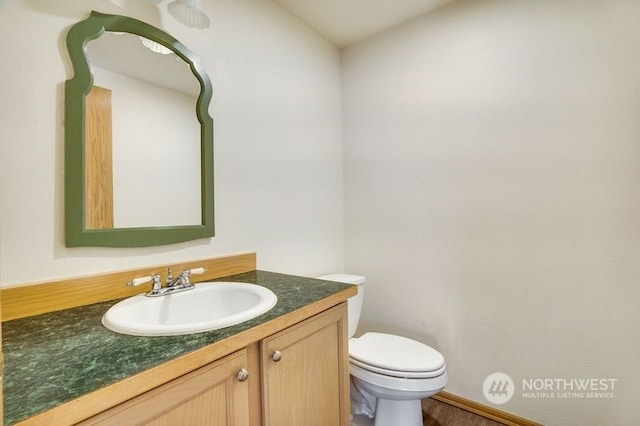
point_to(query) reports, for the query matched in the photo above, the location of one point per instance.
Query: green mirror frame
(76, 90)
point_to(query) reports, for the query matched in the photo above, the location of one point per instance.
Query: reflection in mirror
(138, 137)
(142, 138)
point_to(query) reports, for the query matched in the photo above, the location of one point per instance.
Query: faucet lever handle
(137, 281)
(141, 280)
(197, 271)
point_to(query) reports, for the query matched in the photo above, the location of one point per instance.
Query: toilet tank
(354, 302)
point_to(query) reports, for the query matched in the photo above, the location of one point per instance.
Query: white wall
(492, 187)
(277, 118)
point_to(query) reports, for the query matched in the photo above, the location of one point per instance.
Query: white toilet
(389, 374)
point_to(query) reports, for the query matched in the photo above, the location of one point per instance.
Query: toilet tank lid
(344, 278)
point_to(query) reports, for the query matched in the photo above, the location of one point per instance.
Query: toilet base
(396, 401)
(393, 412)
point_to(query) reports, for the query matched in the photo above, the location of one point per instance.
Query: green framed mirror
(138, 137)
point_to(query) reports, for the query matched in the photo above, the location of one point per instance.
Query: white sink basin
(209, 306)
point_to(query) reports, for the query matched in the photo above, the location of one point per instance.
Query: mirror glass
(150, 95)
(138, 137)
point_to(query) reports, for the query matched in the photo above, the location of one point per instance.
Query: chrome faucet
(174, 285)
(183, 279)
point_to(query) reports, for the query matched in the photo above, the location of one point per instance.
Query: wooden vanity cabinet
(305, 373)
(297, 376)
(216, 394)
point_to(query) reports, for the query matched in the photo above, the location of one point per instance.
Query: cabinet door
(305, 372)
(215, 395)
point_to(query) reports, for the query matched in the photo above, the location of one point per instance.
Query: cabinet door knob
(243, 374)
(276, 356)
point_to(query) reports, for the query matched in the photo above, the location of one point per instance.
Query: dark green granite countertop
(54, 358)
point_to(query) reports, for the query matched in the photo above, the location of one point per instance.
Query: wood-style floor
(436, 413)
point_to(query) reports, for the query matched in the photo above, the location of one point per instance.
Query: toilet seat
(395, 356)
(385, 385)
(398, 373)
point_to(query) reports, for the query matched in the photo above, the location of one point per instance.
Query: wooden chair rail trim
(40, 298)
(483, 410)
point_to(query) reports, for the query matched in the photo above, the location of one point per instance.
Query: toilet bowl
(398, 372)
(390, 374)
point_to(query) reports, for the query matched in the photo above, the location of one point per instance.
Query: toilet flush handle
(276, 356)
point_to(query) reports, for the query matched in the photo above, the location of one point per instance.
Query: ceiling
(344, 22)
